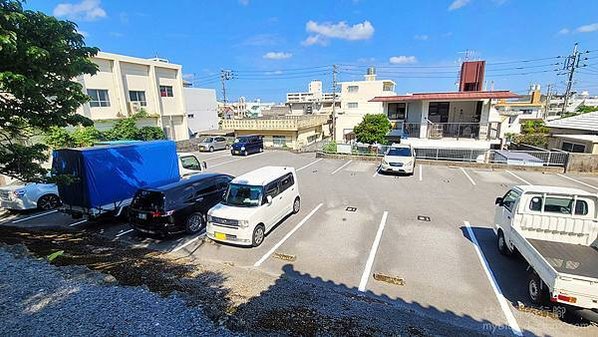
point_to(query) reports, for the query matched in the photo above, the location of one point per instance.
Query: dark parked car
(247, 144)
(177, 207)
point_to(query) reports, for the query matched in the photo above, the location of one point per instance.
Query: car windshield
(190, 163)
(208, 140)
(399, 152)
(243, 195)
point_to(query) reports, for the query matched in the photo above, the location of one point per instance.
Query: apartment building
(124, 85)
(515, 112)
(314, 101)
(202, 109)
(356, 102)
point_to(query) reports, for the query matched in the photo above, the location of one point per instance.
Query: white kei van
(253, 204)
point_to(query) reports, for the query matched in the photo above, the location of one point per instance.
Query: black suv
(177, 207)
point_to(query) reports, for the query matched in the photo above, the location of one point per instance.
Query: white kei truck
(555, 230)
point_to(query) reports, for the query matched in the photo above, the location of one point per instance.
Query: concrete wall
(294, 139)
(582, 163)
(202, 109)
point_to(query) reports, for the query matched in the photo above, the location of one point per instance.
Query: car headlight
(19, 193)
(384, 162)
(242, 148)
(408, 163)
(210, 218)
(244, 223)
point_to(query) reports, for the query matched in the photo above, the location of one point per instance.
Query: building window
(396, 111)
(352, 105)
(526, 111)
(279, 141)
(190, 115)
(166, 91)
(388, 87)
(312, 138)
(512, 119)
(138, 96)
(353, 88)
(571, 147)
(99, 98)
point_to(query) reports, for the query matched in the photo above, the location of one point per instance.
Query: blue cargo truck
(103, 179)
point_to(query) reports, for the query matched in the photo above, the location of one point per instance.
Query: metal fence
(513, 157)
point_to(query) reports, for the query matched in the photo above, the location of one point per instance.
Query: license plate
(142, 216)
(220, 236)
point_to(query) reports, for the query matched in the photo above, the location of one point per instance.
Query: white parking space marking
(577, 181)
(340, 168)
(286, 237)
(376, 173)
(187, 243)
(370, 262)
(235, 160)
(308, 165)
(518, 177)
(35, 216)
(77, 223)
(468, 176)
(497, 291)
(123, 233)
(421, 175)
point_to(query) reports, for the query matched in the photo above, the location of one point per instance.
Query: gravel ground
(39, 299)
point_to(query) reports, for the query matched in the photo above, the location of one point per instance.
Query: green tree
(533, 133)
(86, 136)
(40, 57)
(57, 138)
(585, 109)
(372, 129)
(150, 133)
(123, 129)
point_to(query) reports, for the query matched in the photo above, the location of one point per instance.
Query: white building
(555, 105)
(356, 102)
(202, 109)
(314, 101)
(512, 114)
(124, 85)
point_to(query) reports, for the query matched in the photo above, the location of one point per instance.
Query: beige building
(124, 85)
(292, 132)
(355, 102)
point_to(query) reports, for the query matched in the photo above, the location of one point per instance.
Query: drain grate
(285, 257)
(423, 218)
(351, 209)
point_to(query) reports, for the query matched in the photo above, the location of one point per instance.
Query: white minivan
(253, 204)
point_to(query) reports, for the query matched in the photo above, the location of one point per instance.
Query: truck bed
(568, 258)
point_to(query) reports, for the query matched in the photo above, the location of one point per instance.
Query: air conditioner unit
(134, 107)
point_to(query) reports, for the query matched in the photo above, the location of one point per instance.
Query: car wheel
(245, 153)
(296, 205)
(195, 223)
(211, 149)
(536, 290)
(503, 248)
(258, 235)
(261, 149)
(48, 201)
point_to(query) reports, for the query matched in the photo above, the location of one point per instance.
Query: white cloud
(421, 37)
(276, 72)
(116, 34)
(188, 76)
(244, 2)
(564, 31)
(588, 28)
(322, 32)
(458, 4)
(402, 59)
(87, 10)
(277, 55)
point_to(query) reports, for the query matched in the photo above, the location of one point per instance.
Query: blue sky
(275, 46)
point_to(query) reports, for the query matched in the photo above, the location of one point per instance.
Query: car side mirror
(204, 165)
(269, 199)
(498, 201)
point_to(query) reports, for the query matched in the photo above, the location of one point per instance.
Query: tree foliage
(40, 56)
(533, 133)
(372, 129)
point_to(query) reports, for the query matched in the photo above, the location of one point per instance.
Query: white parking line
(518, 177)
(376, 173)
(235, 160)
(123, 233)
(577, 181)
(370, 262)
(35, 216)
(187, 243)
(467, 175)
(421, 177)
(340, 168)
(497, 291)
(77, 223)
(308, 165)
(286, 237)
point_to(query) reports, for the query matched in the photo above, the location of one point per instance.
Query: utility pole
(334, 84)
(570, 65)
(225, 75)
(548, 98)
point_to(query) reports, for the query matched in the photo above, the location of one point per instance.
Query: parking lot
(430, 232)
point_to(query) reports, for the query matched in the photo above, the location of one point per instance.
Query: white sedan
(399, 158)
(19, 196)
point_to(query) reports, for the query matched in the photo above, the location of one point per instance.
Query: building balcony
(279, 123)
(457, 130)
